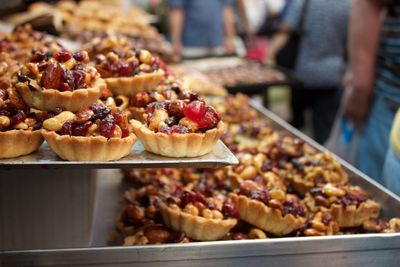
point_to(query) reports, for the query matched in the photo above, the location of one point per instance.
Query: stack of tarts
(77, 126)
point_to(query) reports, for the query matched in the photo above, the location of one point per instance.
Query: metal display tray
(349, 250)
(138, 158)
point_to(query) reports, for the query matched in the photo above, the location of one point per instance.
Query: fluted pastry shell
(15, 143)
(177, 145)
(196, 227)
(130, 86)
(270, 220)
(349, 216)
(93, 148)
(352, 216)
(50, 99)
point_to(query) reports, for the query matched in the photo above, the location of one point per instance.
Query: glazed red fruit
(195, 110)
(42, 66)
(125, 69)
(118, 118)
(62, 56)
(179, 129)
(18, 118)
(79, 78)
(82, 129)
(229, 210)
(107, 126)
(37, 57)
(78, 56)
(51, 76)
(66, 129)
(125, 133)
(209, 120)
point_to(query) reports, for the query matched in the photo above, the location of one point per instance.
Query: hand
(229, 46)
(177, 48)
(357, 99)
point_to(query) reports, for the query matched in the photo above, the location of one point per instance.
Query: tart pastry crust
(130, 86)
(352, 216)
(264, 217)
(15, 143)
(196, 227)
(94, 148)
(50, 99)
(178, 145)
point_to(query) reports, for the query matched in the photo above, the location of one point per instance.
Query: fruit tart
(129, 72)
(95, 133)
(349, 205)
(61, 81)
(198, 217)
(139, 101)
(273, 210)
(179, 128)
(382, 225)
(19, 128)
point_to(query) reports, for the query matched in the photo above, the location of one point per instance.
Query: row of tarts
(282, 187)
(81, 102)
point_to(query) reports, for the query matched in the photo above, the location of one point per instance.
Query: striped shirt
(388, 58)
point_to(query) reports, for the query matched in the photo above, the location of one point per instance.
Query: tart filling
(129, 72)
(19, 128)
(94, 133)
(198, 217)
(179, 128)
(272, 211)
(349, 205)
(61, 81)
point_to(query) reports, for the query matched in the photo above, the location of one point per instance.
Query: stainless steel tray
(138, 158)
(351, 250)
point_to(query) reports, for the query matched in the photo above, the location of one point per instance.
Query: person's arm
(364, 30)
(229, 26)
(243, 16)
(177, 17)
(277, 42)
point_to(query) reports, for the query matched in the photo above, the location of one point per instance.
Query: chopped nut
(277, 194)
(3, 67)
(4, 122)
(135, 213)
(30, 122)
(248, 173)
(217, 215)
(56, 123)
(332, 191)
(159, 117)
(256, 233)
(191, 209)
(112, 56)
(145, 57)
(311, 232)
(142, 240)
(188, 123)
(206, 213)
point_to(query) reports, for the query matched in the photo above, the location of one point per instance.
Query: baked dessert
(271, 210)
(95, 133)
(129, 72)
(198, 217)
(63, 80)
(179, 128)
(382, 225)
(349, 205)
(19, 127)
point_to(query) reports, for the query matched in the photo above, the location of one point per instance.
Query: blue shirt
(320, 62)
(388, 58)
(203, 22)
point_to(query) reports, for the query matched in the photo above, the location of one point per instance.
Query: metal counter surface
(349, 250)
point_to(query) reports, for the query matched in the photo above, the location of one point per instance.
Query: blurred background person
(320, 63)
(374, 93)
(202, 28)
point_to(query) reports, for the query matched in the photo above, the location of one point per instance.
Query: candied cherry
(195, 110)
(37, 57)
(209, 120)
(18, 118)
(107, 126)
(78, 56)
(79, 78)
(229, 210)
(125, 132)
(62, 56)
(67, 127)
(81, 129)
